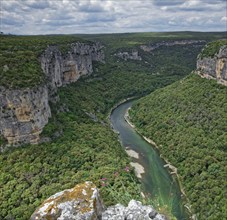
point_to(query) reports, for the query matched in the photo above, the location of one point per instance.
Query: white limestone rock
(134, 211)
(25, 112)
(214, 67)
(134, 55)
(81, 202)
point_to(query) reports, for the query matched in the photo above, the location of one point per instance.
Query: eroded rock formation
(24, 113)
(84, 202)
(134, 55)
(134, 211)
(64, 68)
(81, 202)
(214, 67)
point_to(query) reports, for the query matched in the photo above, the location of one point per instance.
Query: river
(156, 180)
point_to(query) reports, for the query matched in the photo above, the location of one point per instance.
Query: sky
(111, 16)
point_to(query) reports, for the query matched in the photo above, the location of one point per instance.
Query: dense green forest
(187, 120)
(81, 144)
(19, 64)
(20, 67)
(211, 48)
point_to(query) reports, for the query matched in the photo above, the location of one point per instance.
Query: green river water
(156, 180)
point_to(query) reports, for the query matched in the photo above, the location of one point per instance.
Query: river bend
(156, 180)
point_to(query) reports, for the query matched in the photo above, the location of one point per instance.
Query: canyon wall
(25, 112)
(152, 46)
(64, 68)
(214, 67)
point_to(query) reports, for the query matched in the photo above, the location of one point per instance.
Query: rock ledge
(83, 202)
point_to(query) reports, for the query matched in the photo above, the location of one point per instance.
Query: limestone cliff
(64, 68)
(84, 202)
(152, 46)
(214, 67)
(24, 113)
(134, 55)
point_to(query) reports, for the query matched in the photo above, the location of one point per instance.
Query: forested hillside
(187, 120)
(19, 63)
(78, 143)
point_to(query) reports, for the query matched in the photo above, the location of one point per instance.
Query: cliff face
(63, 68)
(134, 55)
(150, 47)
(214, 67)
(24, 113)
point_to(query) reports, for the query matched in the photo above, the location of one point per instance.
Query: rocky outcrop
(24, 113)
(214, 67)
(81, 202)
(153, 46)
(129, 56)
(64, 68)
(84, 202)
(134, 211)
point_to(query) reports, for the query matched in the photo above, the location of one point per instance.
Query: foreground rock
(84, 202)
(134, 211)
(81, 202)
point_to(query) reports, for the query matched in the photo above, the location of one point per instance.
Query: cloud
(224, 19)
(195, 6)
(57, 22)
(168, 2)
(99, 16)
(90, 7)
(37, 4)
(11, 22)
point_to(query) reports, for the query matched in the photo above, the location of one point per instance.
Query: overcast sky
(109, 16)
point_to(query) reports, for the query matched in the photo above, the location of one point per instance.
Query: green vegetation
(132, 40)
(212, 48)
(19, 64)
(187, 120)
(2, 141)
(31, 174)
(157, 202)
(81, 147)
